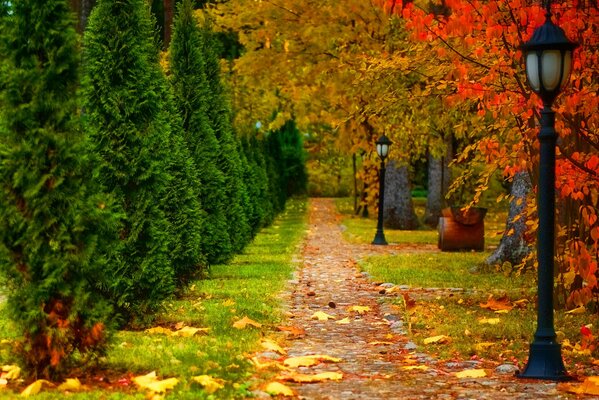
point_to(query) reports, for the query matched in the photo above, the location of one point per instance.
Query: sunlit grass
(248, 286)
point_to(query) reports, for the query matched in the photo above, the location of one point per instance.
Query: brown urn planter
(462, 230)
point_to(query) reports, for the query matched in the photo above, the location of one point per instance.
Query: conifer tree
(255, 212)
(229, 162)
(57, 229)
(192, 94)
(143, 162)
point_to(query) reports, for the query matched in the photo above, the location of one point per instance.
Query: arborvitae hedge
(192, 94)
(229, 161)
(56, 227)
(143, 164)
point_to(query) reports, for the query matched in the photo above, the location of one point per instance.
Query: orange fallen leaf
(270, 345)
(502, 303)
(209, 383)
(437, 339)
(307, 361)
(377, 343)
(322, 316)
(305, 378)
(589, 386)
(277, 388)
(263, 364)
(244, 322)
(471, 373)
(295, 331)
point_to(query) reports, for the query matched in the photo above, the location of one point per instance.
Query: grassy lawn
(472, 331)
(247, 287)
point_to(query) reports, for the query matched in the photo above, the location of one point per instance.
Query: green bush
(192, 94)
(57, 229)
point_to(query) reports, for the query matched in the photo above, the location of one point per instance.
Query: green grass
(248, 286)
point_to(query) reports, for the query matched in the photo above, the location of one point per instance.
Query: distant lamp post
(548, 56)
(382, 149)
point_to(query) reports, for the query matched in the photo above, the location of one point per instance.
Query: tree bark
(439, 178)
(168, 21)
(85, 11)
(513, 246)
(399, 209)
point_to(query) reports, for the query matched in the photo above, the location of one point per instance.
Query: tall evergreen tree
(192, 94)
(229, 160)
(143, 162)
(56, 227)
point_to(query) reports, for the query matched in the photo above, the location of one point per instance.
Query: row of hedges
(118, 185)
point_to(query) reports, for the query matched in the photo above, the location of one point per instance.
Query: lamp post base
(545, 362)
(379, 238)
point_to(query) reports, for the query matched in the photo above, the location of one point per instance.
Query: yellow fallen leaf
(589, 386)
(359, 309)
(437, 339)
(415, 367)
(471, 373)
(188, 331)
(244, 322)
(305, 378)
(229, 303)
(502, 311)
(270, 345)
(3, 383)
(70, 384)
(261, 365)
(277, 388)
(151, 383)
(159, 330)
(35, 387)
(322, 316)
(490, 321)
(11, 372)
(343, 321)
(577, 310)
(209, 383)
(307, 361)
(484, 345)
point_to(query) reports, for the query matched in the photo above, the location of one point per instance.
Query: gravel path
(378, 361)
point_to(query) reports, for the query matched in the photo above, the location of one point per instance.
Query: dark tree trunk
(168, 21)
(85, 11)
(513, 246)
(399, 209)
(438, 181)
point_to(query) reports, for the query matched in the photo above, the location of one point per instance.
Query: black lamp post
(548, 56)
(382, 148)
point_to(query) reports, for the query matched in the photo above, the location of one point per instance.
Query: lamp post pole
(382, 148)
(379, 238)
(548, 63)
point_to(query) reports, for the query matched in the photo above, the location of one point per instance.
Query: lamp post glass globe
(382, 149)
(548, 56)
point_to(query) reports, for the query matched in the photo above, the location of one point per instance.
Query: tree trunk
(439, 179)
(168, 21)
(513, 246)
(399, 209)
(85, 11)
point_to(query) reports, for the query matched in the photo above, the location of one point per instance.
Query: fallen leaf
(70, 384)
(577, 310)
(415, 367)
(188, 331)
(35, 387)
(490, 321)
(270, 345)
(359, 309)
(484, 345)
(322, 316)
(244, 322)
(437, 339)
(471, 373)
(521, 303)
(261, 365)
(502, 311)
(377, 343)
(10, 372)
(589, 386)
(159, 330)
(3, 383)
(307, 361)
(229, 303)
(209, 383)
(295, 331)
(305, 378)
(343, 321)
(502, 303)
(277, 388)
(153, 384)
(410, 303)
